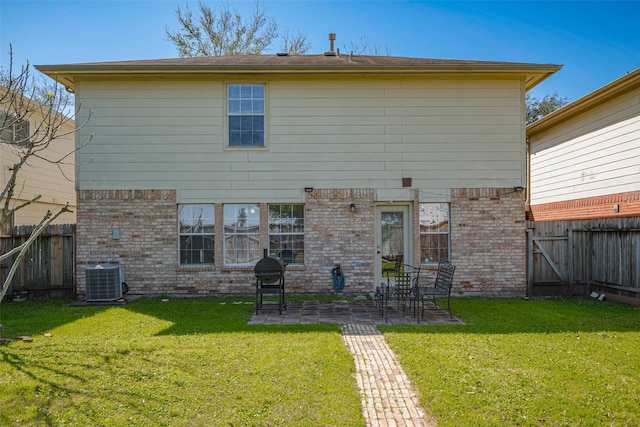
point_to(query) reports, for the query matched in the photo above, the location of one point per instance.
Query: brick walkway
(388, 398)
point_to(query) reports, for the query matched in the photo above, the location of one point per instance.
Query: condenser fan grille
(104, 282)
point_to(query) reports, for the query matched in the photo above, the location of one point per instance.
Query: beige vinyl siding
(594, 154)
(54, 183)
(323, 133)
(152, 134)
(41, 178)
(33, 214)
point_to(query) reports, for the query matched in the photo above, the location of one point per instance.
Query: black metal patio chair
(441, 288)
(287, 256)
(413, 274)
(400, 288)
(389, 272)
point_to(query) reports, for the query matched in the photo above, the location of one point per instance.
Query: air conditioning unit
(104, 282)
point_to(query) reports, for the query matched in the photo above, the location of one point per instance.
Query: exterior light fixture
(352, 207)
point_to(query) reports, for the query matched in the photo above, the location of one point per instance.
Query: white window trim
(245, 148)
(447, 233)
(180, 234)
(224, 236)
(303, 234)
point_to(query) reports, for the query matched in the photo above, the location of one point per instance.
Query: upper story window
(245, 107)
(434, 232)
(195, 228)
(13, 130)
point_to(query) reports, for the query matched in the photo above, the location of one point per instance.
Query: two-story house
(49, 174)
(197, 165)
(585, 156)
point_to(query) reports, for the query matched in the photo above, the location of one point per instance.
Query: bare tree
(31, 120)
(538, 108)
(295, 44)
(365, 47)
(224, 31)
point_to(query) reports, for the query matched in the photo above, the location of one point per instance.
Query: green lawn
(195, 362)
(186, 362)
(572, 362)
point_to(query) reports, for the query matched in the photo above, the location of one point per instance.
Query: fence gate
(549, 264)
(576, 257)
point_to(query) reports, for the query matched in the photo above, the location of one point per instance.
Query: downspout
(527, 198)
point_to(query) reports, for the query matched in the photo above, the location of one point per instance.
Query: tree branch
(32, 118)
(48, 219)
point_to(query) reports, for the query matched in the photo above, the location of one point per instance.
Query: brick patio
(348, 312)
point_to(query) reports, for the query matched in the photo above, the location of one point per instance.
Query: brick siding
(620, 205)
(487, 235)
(147, 247)
(335, 234)
(488, 241)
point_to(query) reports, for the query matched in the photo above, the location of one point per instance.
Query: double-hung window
(245, 108)
(434, 232)
(286, 232)
(195, 230)
(241, 234)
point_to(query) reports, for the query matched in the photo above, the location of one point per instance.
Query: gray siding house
(197, 165)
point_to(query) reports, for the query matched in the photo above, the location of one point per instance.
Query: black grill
(269, 272)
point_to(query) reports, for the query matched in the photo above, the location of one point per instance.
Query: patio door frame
(407, 232)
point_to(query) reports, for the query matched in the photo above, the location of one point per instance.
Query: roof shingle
(298, 64)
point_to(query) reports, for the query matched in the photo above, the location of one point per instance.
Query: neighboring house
(585, 156)
(199, 164)
(53, 182)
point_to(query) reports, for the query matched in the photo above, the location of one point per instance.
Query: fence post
(589, 257)
(529, 262)
(570, 278)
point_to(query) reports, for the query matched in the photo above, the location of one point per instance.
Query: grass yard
(186, 362)
(573, 362)
(196, 362)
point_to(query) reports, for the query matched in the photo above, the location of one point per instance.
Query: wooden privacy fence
(578, 257)
(48, 269)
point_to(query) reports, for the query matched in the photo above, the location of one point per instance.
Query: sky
(595, 42)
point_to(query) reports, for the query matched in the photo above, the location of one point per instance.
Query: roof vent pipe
(331, 52)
